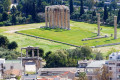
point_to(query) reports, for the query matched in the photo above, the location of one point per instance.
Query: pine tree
(118, 18)
(39, 6)
(71, 6)
(105, 13)
(94, 13)
(81, 8)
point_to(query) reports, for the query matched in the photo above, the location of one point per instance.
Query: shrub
(7, 23)
(1, 23)
(4, 41)
(12, 45)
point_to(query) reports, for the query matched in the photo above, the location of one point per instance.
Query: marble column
(61, 18)
(46, 17)
(49, 15)
(32, 53)
(58, 18)
(63, 25)
(115, 27)
(98, 22)
(38, 53)
(26, 53)
(52, 18)
(68, 19)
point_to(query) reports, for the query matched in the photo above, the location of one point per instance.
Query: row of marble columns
(57, 18)
(33, 50)
(115, 26)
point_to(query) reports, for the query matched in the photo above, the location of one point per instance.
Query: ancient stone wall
(57, 16)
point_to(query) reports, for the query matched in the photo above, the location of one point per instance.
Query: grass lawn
(24, 41)
(79, 31)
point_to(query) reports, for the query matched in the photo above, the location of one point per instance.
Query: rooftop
(96, 64)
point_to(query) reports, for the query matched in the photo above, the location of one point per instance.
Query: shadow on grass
(52, 29)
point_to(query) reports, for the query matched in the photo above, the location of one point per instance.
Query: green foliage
(67, 58)
(18, 77)
(5, 16)
(3, 41)
(6, 4)
(12, 45)
(71, 6)
(105, 13)
(82, 76)
(1, 23)
(13, 20)
(81, 8)
(86, 51)
(118, 18)
(98, 55)
(9, 54)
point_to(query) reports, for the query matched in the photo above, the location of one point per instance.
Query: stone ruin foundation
(57, 16)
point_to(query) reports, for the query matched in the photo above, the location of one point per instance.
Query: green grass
(24, 41)
(79, 31)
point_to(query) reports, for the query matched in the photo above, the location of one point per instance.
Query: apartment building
(114, 65)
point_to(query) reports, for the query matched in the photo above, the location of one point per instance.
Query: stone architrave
(115, 27)
(98, 22)
(57, 16)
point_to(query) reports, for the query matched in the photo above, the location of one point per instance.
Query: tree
(118, 18)
(99, 56)
(71, 6)
(90, 4)
(114, 4)
(94, 13)
(12, 45)
(105, 13)
(5, 16)
(15, 1)
(3, 41)
(13, 21)
(81, 8)
(6, 5)
(86, 51)
(47, 55)
(13, 10)
(39, 6)
(57, 59)
(82, 76)
(1, 8)
(103, 74)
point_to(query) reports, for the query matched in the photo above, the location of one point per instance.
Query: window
(110, 68)
(110, 78)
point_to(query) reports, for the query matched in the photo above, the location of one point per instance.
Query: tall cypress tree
(105, 13)
(81, 8)
(118, 18)
(71, 6)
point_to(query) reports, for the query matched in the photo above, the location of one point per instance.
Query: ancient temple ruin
(57, 16)
(98, 22)
(115, 27)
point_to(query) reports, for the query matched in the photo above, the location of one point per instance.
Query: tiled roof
(14, 72)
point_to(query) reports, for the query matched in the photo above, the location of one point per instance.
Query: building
(83, 64)
(114, 65)
(92, 67)
(11, 69)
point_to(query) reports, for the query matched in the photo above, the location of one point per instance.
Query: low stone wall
(48, 39)
(107, 45)
(68, 43)
(95, 38)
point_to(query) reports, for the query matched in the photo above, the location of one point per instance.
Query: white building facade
(114, 65)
